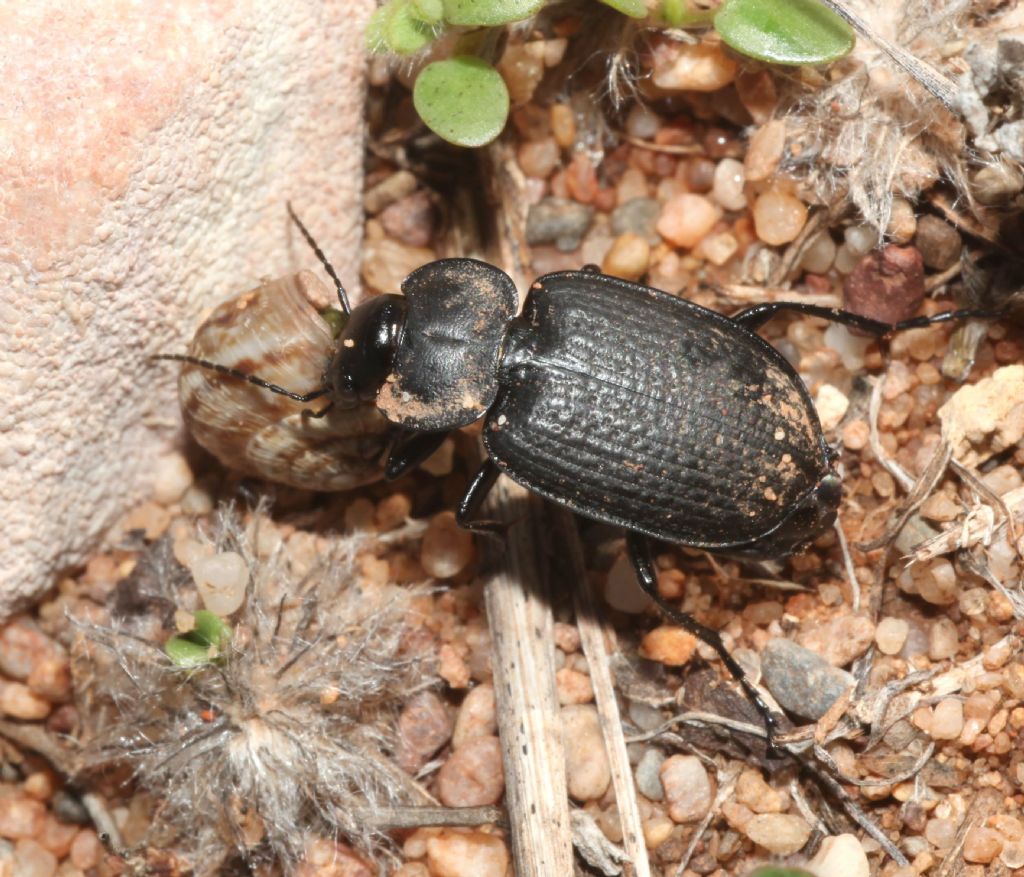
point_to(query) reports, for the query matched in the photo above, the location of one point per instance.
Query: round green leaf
(187, 654)
(462, 99)
(784, 31)
(683, 13)
(632, 8)
(210, 629)
(489, 13)
(395, 28)
(429, 11)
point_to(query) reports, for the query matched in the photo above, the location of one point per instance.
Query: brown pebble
(538, 158)
(411, 219)
(581, 178)
(755, 793)
(389, 190)
(454, 853)
(887, 284)
(22, 646)
(938, 242)
(668, 645)
(573, 687)
(477, 716)
(86, 849)
(567, 637)
(586, 761)
(563, 125)
(18, 702)
(765, 151)
(981, 844)
(21, 817)
(472, 776)
(779, 833)
(687, 218)
(423, 727)
(627, 257)
(392, 511)
(701, 66)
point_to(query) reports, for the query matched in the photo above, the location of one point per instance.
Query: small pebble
(727, 185)
(940, 507)
(994, 184)
(840, 639)
(221, 581)
(447, 548)
(702, 66)
(841, 856)
(779, 833)
(801, 680)
(627, 257)
(832, 405)
(86, 849)
(886, 284)
(18, 702)
(391, 512)
(1012, 854)
(389, 190)
(423, 727)
(573, 687)
(567, 637)
(943, 640)
(622, 591)
(902, 222)
(522, 68)
(638, 216)
(21, 817)
(686, 219)
(172, 476)
(657, 831)
(558, 221)
(32, 859)
(940, 833)
(563, 125)
(477, 716)
(753, 792)
(938, 242)
(196, 501)
(539, 158)
(648, 774)
(472, 775)
(764, 153)
(454, 853)
(947, 719)
(586, 761)
(668, 645)
(149, 518)
(819, 254)
(642, 122)
(860, 239)
(22, 646)
(386, 262)
(778, 217)
(719, 248)
(890, 635)
(689, 788)
(411, 220)
(51, 679)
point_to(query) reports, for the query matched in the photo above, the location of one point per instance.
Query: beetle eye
(366, 349)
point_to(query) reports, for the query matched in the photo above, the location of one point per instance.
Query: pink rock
(147, 161)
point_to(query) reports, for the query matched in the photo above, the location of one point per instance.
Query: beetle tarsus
(409, 450)
(640, 553)
(476, 493)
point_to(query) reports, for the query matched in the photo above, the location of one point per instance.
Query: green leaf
(395, 28)
(186, 653)
(784, 31)
(462, 99)
(210, 629)
(683, 13)
(489, 13)
(428, 11)
(632, 8)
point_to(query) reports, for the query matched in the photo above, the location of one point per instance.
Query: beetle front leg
(409, 450)
(640, 553)
(477, 492)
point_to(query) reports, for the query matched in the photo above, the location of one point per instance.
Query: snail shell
(274, 332)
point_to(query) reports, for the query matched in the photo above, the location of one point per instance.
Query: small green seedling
(201, 645)
(464, 100)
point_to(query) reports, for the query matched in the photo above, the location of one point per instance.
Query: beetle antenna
(328, 267)
(242, 376)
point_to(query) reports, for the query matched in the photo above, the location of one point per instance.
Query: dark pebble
(802, 681)
(886, 285)
(558, 221)
(938, 242)
(639, 216)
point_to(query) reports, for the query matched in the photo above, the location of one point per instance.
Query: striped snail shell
(273, 331)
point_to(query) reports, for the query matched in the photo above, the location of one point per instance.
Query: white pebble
(779, 833)
(447, 548)
(586, 761)
(819, 254)
(622, 591)
(727, 188)
(841, 856)
(831, 403)
(890, 635)
(860, 239)
(642, 122)
(689, 789)
(846, 260)
(171, 478)
(221, 581)
(851, 348)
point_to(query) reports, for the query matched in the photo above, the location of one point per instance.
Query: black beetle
(624, 403)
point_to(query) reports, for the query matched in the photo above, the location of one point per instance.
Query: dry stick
(592, 628)
(521, 623)
(930, 78)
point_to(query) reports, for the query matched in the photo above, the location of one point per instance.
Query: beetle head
(366, 350)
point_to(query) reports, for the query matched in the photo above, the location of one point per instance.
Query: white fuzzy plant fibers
(284, 739)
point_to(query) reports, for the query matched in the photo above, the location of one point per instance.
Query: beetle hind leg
(469, 505)
(640, 553)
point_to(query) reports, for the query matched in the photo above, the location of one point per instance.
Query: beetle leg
(640, 553)
(477, 492)
(409, 450)
(754, 317)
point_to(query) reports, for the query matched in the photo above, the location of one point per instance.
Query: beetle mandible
(712, 442)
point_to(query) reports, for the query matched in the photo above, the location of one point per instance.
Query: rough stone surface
(800, 680)
(147, 161)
